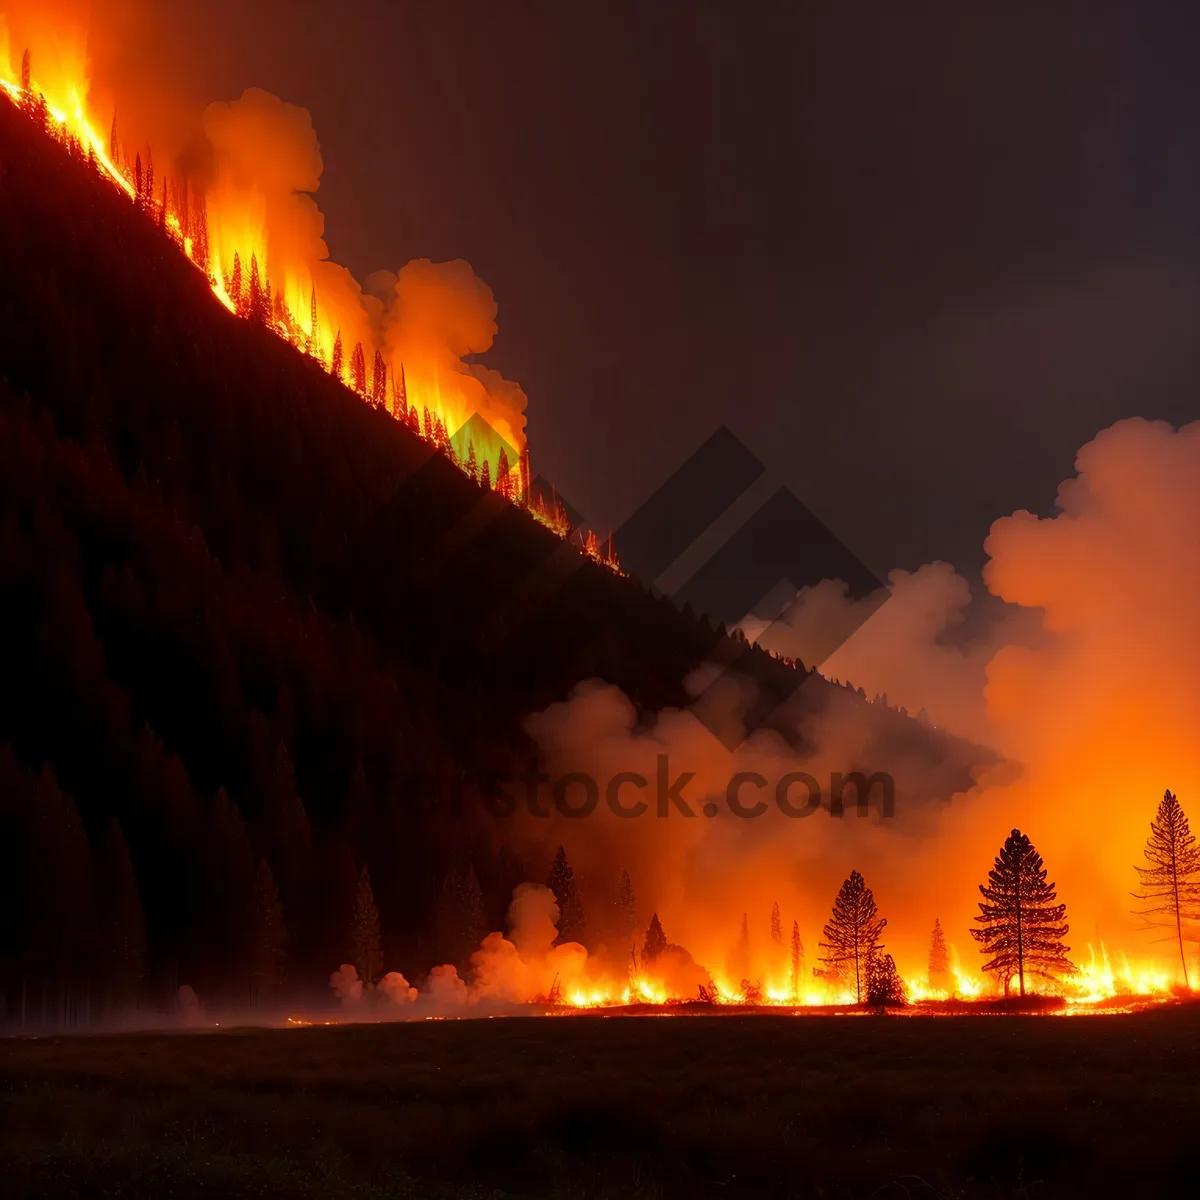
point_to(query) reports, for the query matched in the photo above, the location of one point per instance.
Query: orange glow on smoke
(259, 268)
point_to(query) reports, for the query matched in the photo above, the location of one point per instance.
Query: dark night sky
(914, 255)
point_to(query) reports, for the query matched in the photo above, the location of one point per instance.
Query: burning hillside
(251, 228)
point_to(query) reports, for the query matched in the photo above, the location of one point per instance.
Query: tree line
(1021, 922)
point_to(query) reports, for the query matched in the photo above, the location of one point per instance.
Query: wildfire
(1096, 984)
(224, 234)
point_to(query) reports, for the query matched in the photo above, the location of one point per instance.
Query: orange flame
(224, 234)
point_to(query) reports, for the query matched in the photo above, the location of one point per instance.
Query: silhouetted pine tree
(1022, 926)
(114, 147)
(313, 345)
(485, 476)
(655, 942)
(337, 365)
(852, 935)
(566, 891)
(358, 369)
(137, 178)
(234, 286)
(940, 977)
(26, 72)
(885, 988)
(401, 389)
(185, 214)
(625, 924)
(776, 924)
(364, 932)
(472, 465)
(257, 307)
(378, 381)
(1171, 881)
(797, 960)
(200, 234)
(503, 479)
(265, 934)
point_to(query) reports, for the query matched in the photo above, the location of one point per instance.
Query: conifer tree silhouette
(655, 943)
(1171, 880)
(378, 381)
(797, 959)
(851, 937)
(1023, 927)
(566, 891)
(940, 977)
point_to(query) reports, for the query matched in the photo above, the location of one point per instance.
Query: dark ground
(617, 1107)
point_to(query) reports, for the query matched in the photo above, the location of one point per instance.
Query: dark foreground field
(613, 1107)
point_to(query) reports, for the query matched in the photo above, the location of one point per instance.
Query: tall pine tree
(566, 892)
(400, 387)
(1171, 879)
(797, 960)
(940, 977)
(655, 942)
(257, 306)
(378, 381)
(776, 925)
(313, 344)
(852, 935)
(1023, 927)
(234, 286)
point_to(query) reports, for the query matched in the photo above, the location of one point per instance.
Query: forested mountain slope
(246, 616)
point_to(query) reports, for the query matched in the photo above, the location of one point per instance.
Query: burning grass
(729, 1106)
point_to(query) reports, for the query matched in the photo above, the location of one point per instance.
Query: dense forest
(256, 634)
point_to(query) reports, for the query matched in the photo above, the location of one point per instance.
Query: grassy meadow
(631, 1107)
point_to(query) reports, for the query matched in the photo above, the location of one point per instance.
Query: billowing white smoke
(392, 991)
